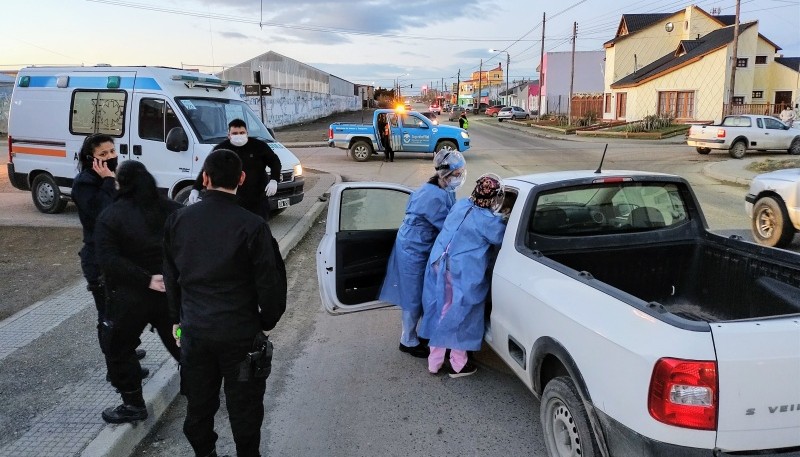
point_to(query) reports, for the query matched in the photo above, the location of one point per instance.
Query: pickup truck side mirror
(272, 133)
(177, 140)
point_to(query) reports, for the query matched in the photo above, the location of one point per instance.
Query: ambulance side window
(156, 118)
(98, 111)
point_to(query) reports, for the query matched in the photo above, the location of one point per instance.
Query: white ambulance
(169, 119)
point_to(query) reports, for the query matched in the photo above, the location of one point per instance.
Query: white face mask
(239, 140)
(454, 182)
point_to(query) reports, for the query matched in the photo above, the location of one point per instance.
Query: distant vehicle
(772, 205)
(740, 133)
(512, 112)
(481, 109)
(493, 110)
(447, 107)
(434, 108)
(410, 132)
(455, 112)
(432, 116)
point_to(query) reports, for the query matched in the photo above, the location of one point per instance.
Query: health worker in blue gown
(426, 211)
(457, 278)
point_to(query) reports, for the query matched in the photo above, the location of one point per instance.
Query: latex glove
(271, 188)
(157, 283)
(194, 197)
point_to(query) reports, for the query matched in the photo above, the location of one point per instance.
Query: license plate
(283, 203)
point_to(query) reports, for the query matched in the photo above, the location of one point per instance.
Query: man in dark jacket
(226, 284)
(255, 155)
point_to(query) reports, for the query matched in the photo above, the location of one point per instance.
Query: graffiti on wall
(5, 104)
(286, 107)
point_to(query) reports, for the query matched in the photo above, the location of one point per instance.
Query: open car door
(362, 223)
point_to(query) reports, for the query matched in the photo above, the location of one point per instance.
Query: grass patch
(767, 165)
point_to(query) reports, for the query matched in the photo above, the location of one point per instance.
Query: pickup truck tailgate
(759, 383)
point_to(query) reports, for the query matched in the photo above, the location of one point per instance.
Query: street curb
(160, 391)
(306, 144)
(708, 170)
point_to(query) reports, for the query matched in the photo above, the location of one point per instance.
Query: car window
(608, 208)
(737, 121)
(372, 209)
(505, 109)
(773, 124)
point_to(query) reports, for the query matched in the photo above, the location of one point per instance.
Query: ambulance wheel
(182, 196)
(360, 151)
(46, 195)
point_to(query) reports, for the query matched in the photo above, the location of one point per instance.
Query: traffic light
(257, 76)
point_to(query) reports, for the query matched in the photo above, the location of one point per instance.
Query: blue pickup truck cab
(410, 132)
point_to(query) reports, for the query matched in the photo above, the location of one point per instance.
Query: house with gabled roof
(680, 64)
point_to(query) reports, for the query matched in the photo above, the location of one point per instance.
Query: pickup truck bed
(713, 280)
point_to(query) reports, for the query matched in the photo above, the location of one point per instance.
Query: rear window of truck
(737, 121)
(608, 208)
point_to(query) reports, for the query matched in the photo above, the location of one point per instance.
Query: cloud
(235, 35)
(327, 22)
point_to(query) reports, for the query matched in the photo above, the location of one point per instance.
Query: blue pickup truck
(410, 132)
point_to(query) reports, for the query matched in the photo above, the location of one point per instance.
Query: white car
(436, 109)
(642, 333)
(772, 204)
(512, 112)
(745, 132)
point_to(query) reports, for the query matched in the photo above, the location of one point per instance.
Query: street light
(397, 83)
(508, 62)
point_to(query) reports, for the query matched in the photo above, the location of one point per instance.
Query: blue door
(416, 133)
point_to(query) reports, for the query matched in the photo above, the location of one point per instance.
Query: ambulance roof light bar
(204, 82)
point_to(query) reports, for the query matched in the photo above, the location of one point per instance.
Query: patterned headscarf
(488, 192)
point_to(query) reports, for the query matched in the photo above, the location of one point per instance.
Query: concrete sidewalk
(71, 425)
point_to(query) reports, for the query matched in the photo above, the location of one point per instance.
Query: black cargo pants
(204, 365)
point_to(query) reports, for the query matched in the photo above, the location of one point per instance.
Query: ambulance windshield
(209, 118)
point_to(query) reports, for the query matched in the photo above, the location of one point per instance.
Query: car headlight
(298, 170)
(464, 135)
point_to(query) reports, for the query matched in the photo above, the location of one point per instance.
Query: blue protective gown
(457, 278)
(425, 214)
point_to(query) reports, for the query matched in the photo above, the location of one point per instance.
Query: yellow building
(468, 89)
(680, 64)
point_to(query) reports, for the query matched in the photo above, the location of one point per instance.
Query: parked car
(494, 109)
(740, 133)
(432, 116)
(455, 112)
(772, 205)
(434, 108)
(604, 272)
(512, 112)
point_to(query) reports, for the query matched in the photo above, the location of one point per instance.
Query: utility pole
(441, 100)
(541, 68)
(572, 73)
(508, 63)
(458, 86)
(735, 58)
(476, 106)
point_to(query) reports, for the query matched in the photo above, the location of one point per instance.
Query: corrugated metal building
(300, 92)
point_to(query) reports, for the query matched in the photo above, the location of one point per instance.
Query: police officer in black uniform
(226, 284)
(255, 155)
(128, 241)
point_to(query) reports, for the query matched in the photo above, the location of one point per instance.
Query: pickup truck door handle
(137, 149)
(123, 149)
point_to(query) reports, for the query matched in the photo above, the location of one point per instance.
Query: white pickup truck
(740, 133)
(642, 333)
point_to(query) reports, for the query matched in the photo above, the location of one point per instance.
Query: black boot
(140, 354)
(132, 409)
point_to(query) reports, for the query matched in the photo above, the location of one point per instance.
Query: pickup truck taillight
(720, 133)
(330, 133)
(684, 393)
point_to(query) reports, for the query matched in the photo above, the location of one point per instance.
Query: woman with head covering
(457, 279)
(425, 213)
(128, 239)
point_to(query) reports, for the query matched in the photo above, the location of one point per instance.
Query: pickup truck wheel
(46, 195)
(361, 150)
(567, 431)
(738, 149)
(794, 149)
(770, 223)
(446, 146)
(703, 151)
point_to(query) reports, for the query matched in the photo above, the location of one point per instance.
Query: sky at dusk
(366, 42)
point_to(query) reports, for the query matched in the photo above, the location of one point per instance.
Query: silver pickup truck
(740, 133)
